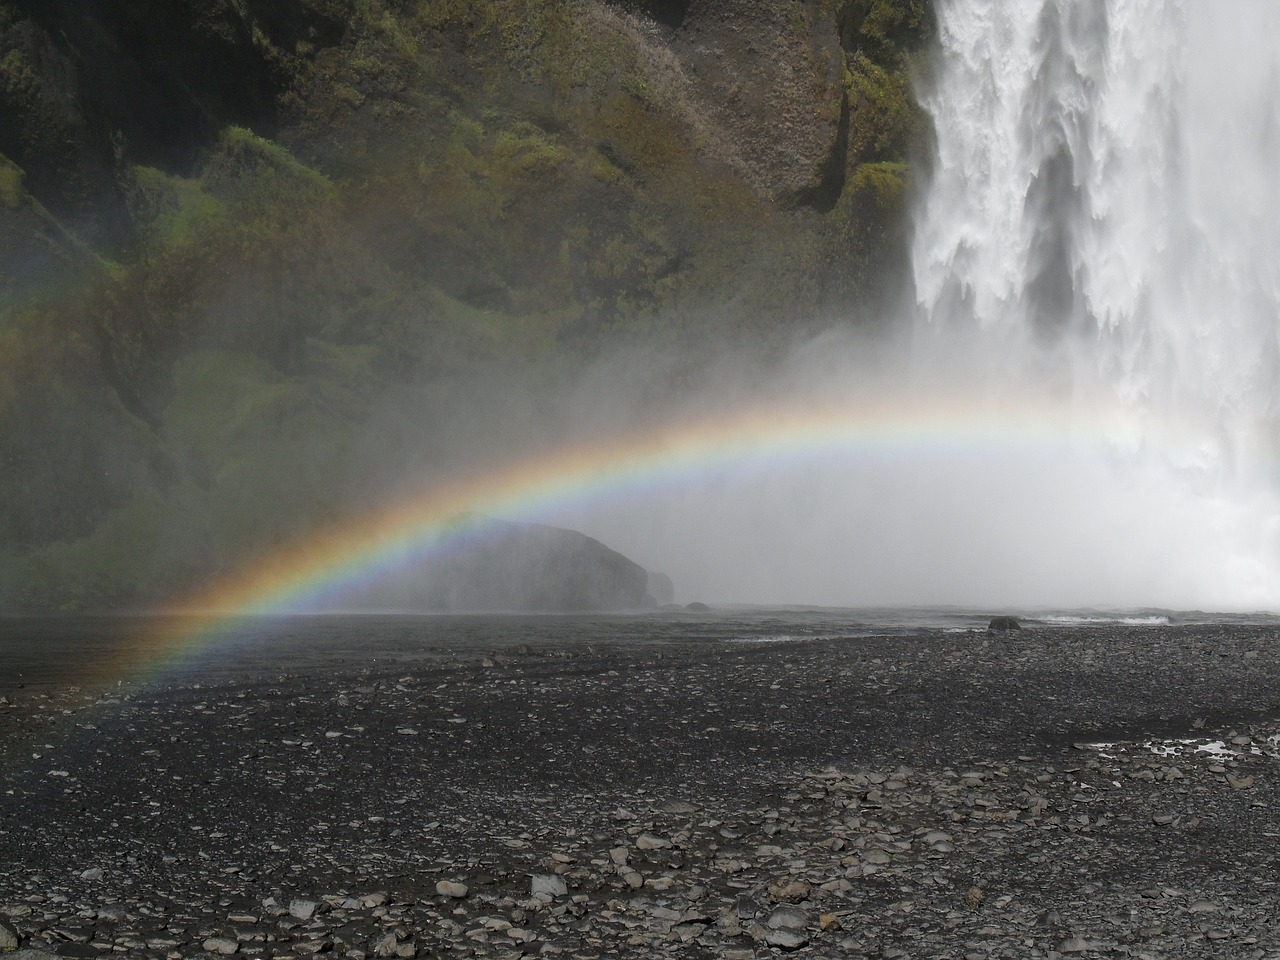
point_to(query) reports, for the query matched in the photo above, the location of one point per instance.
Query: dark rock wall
(250, 240)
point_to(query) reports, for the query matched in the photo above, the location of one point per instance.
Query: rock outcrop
(499, 565)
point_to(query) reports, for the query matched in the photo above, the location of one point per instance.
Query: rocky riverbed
(1093, 792)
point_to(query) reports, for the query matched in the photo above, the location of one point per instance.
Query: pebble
(1015, 846)
(787, 917)
(786, 939)
(302, 909)
(549, 884)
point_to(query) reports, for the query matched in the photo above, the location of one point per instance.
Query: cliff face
(240, 240)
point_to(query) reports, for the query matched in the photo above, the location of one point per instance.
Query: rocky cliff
(254, 256)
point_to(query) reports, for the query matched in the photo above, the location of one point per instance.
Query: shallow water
(51, 651)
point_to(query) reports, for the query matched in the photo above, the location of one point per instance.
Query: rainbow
(300, 577)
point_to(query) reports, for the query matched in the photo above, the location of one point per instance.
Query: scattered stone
(787, 917)
(790, 891)
(786, 939)
(8, 936)
(866, 859)
(302, 909)
(549, 884)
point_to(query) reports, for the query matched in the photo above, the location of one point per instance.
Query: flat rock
(302, 909)
(549, 884)
(8, 936)
(787, 917)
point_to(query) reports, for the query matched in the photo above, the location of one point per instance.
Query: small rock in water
(1004, 623)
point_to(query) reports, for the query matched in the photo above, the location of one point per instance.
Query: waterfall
(1101, 223)
(1105, 205)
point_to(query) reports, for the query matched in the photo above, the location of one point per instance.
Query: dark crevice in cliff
(669, 13)
(824, 197)
(161, 75)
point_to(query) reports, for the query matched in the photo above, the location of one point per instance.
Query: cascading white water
(1105, 204)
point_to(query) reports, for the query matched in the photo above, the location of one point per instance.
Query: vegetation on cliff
(244, 244)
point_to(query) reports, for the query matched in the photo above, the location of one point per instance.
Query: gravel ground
(1093, 792)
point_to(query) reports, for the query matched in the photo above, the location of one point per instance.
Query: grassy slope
(459, 186)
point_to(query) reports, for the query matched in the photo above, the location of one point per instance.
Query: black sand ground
(942, 795)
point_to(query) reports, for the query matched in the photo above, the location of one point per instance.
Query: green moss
(175, 211)
(221, 398)
(148, 549)
(886, 31)
(527, 153)
(604, 170)
(16, 76)
(884, 117)
(11, 176)
(272, 451)
(256, 173)
(884, 183)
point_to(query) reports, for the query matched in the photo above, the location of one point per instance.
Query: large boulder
(499, 565)
(1002, 624)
